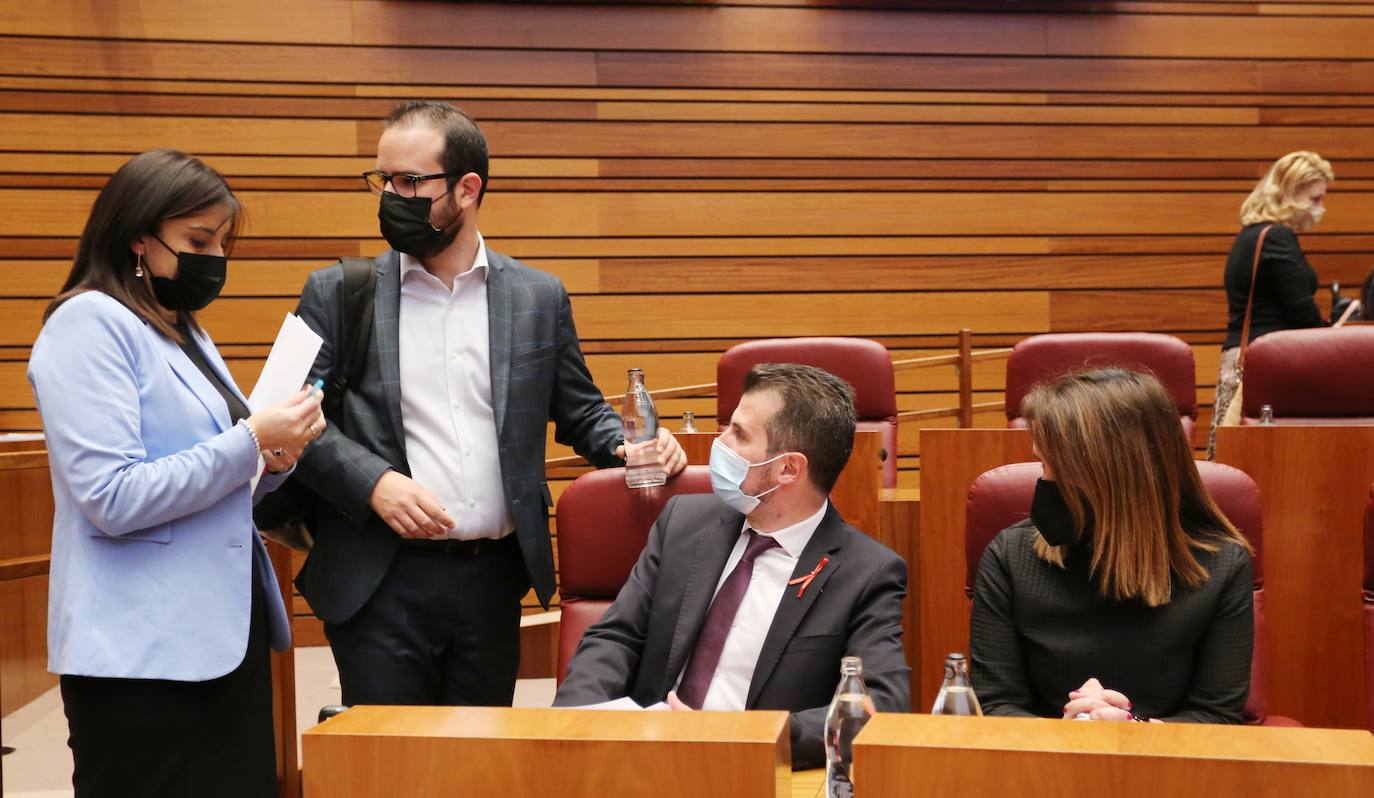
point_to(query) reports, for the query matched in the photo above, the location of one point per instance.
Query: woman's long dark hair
(146, 191)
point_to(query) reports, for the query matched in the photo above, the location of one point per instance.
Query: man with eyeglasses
(436, 522)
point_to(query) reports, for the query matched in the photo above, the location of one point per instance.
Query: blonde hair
(1275, 196)
(1114, 442)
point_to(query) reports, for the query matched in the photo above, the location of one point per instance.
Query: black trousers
(137, 738)
(442, 628)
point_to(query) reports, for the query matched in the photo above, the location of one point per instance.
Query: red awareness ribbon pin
(805, 581)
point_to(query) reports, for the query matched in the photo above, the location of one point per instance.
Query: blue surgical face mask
(728, 470)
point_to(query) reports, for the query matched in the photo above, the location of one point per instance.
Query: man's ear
(469, 188)
(794, 468)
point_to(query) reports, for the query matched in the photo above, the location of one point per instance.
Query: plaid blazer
(538, 374)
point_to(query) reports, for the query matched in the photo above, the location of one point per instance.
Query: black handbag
(288, 514)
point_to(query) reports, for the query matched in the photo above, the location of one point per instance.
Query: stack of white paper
(286, 370)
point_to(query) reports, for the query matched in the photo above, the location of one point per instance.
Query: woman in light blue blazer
(162, 603)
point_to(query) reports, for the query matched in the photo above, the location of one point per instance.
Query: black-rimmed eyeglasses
(405, 185)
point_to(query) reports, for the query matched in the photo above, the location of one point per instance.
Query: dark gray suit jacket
(537, 374)
(852, 608)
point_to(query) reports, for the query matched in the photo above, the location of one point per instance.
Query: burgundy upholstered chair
(1043, 358)
(1369, 609)
(864, 364)
(602, 528)
(1311, 377)
(1002, 497)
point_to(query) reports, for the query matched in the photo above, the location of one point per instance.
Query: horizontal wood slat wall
(704, 173)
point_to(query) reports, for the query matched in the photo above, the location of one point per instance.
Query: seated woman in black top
(1290, 199)
(1125, 575)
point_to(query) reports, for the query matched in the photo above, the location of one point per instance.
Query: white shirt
(729, 689)
(446, 410)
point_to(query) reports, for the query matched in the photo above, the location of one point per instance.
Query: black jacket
(1039, 631)
(1284, 288)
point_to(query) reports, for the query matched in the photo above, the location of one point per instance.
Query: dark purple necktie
(706, 655)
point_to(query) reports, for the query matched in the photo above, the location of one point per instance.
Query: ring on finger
(277, 452)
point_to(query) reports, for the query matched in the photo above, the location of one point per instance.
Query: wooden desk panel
(26, 495)
(808, 783)
(534, 753)
(1314, 483)
(899, 528)
(950, 460)
(284, 687)
(921, 755)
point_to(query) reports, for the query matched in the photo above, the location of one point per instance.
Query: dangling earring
(138, 269)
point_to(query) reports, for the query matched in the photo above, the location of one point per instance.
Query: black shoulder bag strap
(359, 289)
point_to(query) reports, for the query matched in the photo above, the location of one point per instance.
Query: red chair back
(1044, 358)
(1002, 497)
(1311, 377)
(864, 364)
(602, 528)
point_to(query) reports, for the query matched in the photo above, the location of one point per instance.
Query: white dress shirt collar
(409, 263)
(793, 539)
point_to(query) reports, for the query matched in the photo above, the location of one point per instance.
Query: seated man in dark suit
(749, 598)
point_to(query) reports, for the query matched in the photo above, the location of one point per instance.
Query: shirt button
(453, 356)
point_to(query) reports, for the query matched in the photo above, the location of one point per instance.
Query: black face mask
(199, 280)
(406, 227)
(1050, 514)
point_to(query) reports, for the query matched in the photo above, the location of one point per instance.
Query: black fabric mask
(406, 227)
(199, 280)
(1050, 514)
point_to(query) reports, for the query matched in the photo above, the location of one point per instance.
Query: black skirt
(153, 737)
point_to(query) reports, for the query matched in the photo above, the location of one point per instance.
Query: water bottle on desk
(956, 693)
(642, 469)
(850, 709)
(689, 421)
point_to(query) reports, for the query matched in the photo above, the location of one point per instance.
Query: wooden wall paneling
(700, 175)
(317, 21)
(118, 58)
(352, 213)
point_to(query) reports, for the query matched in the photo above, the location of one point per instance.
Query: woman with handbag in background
(1269, 283)
(162, 603)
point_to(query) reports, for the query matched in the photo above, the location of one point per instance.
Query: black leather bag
(287, 515)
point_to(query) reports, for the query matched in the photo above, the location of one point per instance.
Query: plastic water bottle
(640, 417)
(689, 421)
(850, 710)
(956, 693)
